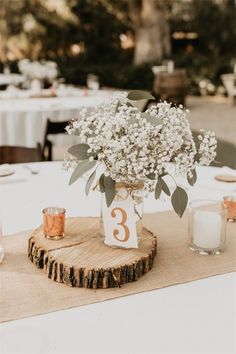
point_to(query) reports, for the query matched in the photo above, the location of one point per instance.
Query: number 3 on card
(116, 232)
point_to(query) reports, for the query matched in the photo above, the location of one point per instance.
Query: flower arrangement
(133, 146)
(41, 70)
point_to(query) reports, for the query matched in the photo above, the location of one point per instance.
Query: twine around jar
(129, 187)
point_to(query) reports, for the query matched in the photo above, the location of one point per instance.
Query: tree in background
(208, 48)
(35, 28)
(152, 33)
(49, 27)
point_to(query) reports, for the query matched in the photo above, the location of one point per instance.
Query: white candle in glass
(206, 229)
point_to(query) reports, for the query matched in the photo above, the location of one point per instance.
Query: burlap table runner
(26, 291)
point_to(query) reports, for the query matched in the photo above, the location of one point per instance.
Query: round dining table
(195, 317)
(23, 114)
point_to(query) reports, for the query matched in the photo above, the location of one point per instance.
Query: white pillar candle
(206, 229)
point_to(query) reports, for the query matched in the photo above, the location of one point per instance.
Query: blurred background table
(10, 79)
(23, 117)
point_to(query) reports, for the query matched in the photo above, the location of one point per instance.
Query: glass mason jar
(122, 223)
(207, 226)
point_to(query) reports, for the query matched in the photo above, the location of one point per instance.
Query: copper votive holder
(230, 202)
(54, 223)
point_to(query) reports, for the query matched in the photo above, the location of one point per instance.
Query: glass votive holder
(230, 202)
(54, 223)
(207, 226)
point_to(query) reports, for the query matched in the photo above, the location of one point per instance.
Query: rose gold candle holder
(54, 223)
(230, 202)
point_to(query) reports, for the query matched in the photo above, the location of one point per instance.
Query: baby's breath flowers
(134, 146)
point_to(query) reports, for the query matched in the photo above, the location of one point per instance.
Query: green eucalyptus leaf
(117, 106)
(165, 173)
(179, 200)
(151, 119)
(165, 188)
(158, 189)
(151, 176)
(137, 95)
(82, 167)
(80, 151)
(192, 180)
(110, 191)
(90, 182)
(133, 120)
(101, 183)
(77, 132)
(145, 115)
(93, 128)
(154, 120)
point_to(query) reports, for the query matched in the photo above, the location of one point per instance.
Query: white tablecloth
(197, 317)
(23, 120)
(11, 79)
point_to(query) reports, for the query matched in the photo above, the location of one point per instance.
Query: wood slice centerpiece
(81, 259)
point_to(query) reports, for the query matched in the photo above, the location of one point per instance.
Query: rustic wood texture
(81, 259)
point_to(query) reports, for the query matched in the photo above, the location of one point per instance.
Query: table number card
(119, 222)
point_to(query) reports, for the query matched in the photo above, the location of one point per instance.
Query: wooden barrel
(171, 87)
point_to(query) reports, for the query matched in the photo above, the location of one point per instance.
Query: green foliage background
(99, 24)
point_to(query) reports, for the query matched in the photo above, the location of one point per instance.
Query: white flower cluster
(136, 146)
(207, 148)
(38, 69)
